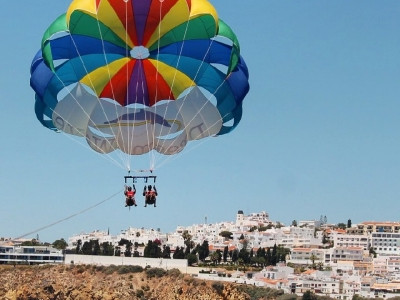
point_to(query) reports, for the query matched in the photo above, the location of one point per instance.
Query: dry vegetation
(85, 282)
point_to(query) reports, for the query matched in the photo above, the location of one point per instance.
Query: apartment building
(370, 227)
(386, 243)
(30, 255)
(350, 240)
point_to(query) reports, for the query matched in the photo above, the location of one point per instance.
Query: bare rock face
(89, 282)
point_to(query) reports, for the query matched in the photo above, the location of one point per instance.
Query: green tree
(253, 228)
(78, 246)
(192, 259)
(372, 252)
(87, 248)
(107, 249)
(187, 238)
(215, 256)
(153, 249)
(32, 242)
(128, 248)
(268, 257)
(274, 257)
(263, 228)
(95, 247)
(60, 244)
(235, 255)
(244, 254)
(226, 234)
(294, 223)
(166, 253)
(313, 258)
(341, 226)
(225, 254)
(178, 253)
(308, 295)
(348, 223)
(204, 251)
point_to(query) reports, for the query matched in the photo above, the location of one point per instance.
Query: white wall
(121, 260)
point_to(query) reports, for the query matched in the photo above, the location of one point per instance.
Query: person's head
(149, 187)
(129, 188)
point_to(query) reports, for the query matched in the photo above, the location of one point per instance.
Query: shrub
(287, 297)
(139, 293)
(129, 269)
(155, 272)
(218, 287)
(256, 293)
(110, 269)
(174, 272)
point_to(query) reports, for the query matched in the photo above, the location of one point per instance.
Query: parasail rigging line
(70, 216)
(194, 80)
(80, 106)
(122, 156)
(78, 141)
(175, 74)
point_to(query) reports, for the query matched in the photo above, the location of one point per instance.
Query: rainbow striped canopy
(133, 58)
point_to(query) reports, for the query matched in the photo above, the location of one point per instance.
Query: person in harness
(150, 195)
(130, 196)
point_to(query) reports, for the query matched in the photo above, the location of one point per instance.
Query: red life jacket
(130, 194)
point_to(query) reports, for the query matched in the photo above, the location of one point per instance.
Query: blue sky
(319, 134)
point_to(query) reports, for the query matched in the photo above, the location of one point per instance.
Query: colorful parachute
(139, 75)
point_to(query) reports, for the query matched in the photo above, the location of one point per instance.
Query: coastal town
(336, 260)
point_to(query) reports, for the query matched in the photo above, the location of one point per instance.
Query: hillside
(125, 282)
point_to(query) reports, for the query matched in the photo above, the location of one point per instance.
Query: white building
(386, 243)
(30, 255)
(350, 240)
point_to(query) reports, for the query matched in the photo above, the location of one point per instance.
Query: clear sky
(319, 134)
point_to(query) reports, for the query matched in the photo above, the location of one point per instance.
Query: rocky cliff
(91, 282)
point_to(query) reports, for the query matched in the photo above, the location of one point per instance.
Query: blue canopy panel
(238, 82)
(209, 51)
(72, 46)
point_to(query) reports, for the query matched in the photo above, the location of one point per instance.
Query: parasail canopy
(136, 76)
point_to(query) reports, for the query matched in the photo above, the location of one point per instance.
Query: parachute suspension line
(128, 161)
(174, 157)
(69, 217)
(152, 155)
(85, 145)
(176, 66)
(123, 157)
(194, 81)
(102, 107)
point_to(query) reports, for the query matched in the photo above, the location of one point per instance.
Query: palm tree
(313, 258)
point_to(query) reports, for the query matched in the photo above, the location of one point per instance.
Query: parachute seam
(122, 156)
(194, 81)
(175, 73)
(84, 66)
